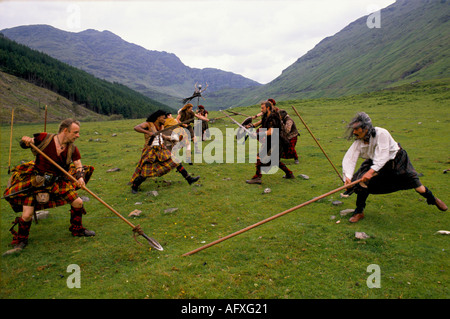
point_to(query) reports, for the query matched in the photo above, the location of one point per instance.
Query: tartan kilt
(290, 152)
(155, 161)
(62, 191)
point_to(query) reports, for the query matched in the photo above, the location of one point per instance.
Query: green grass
(304, 254)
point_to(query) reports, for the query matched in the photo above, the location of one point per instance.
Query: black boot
(186, 175)
(136, 183)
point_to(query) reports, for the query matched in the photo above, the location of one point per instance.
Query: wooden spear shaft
(272, 218)
(10, 141)
(83, 187)
(340, 176)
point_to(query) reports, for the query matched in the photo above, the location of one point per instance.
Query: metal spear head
(153, 242)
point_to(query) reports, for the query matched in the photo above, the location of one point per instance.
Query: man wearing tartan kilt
(386, 168)
(156, 160)
(38, 184)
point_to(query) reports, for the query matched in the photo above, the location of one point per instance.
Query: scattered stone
(336, 203)
(114, 135)
(115, 169)
(443, 232)
(153, 193)
(346, 211)
(138, 203)
(227, 179)
(267, 191)
(135, 213)
(446, 170)
(303, 176)
(170, 210)
(333, 217)
(361, 235)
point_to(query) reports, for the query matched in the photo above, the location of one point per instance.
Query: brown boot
(254, 180)
(440, 205)
(356, 217)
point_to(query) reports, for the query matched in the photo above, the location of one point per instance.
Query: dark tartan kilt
(290, 152)
(62, 191)
(397, 174)
(155, 161)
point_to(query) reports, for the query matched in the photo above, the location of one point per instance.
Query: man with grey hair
(386, 168)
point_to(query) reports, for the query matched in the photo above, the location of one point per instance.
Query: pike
(273, 217)
(136, 229)
(340, 176)
(10, 141)
(237, 113)
(251, 134)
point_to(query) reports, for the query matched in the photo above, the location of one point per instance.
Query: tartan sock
(258, 169)
(284, 168)
(21, 236)
(76, 226)
(182, 171)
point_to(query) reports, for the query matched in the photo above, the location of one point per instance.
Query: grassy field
(309, 253)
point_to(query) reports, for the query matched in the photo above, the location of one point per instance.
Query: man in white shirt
(386, 168)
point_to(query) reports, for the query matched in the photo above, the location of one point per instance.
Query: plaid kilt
(290, 152)
(155, 161)
(62, 191)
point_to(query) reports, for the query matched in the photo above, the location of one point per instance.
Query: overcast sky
(257, 39)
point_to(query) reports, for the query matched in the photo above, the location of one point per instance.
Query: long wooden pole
(45, 119)
(154, 243)
(10, 141)
(272, 218)
(340, 176)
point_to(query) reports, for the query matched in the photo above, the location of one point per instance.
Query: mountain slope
(29, 100)
(413, 43)
(76, 85)
(159, 75)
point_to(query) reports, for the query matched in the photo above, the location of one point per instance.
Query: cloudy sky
(257, 39)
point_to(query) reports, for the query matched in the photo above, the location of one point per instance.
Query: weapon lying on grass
(136, 229)
(340, 176)
(273, 217)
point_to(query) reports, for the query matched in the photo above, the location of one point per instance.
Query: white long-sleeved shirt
(380, 150)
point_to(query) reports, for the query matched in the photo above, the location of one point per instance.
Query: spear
(272, 218)
(10, 141)
(340, 176)
(136, 229)
(45, 119)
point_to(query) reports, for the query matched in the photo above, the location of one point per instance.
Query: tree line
(78, 86)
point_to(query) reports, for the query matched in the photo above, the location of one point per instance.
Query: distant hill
(78, 86)
(159, 75)
(412, 44)
(29, 100)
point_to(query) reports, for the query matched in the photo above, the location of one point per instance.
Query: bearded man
(39, 184)
(386, 168)
(270, 121)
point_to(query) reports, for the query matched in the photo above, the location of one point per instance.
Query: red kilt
(155, 161)
(62, 191)
(290, 152)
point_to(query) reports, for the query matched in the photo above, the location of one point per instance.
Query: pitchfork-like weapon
(273, 217)
(10, 141)
(136, 229)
